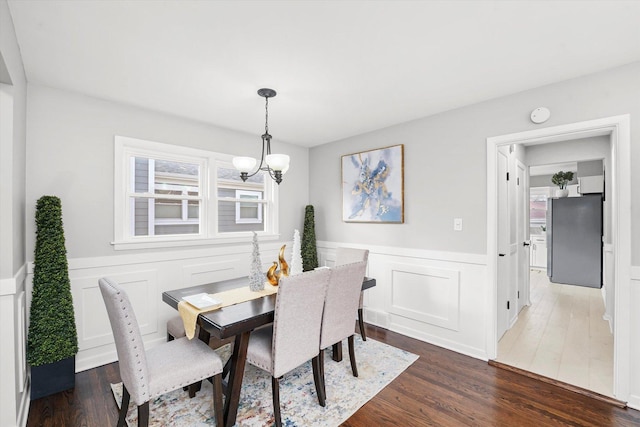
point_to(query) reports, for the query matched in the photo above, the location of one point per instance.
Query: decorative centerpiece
(296, 256)
(256, 276)
(274, 276)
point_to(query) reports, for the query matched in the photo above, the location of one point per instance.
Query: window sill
(182, 242)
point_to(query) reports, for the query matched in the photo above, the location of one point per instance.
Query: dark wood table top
(234, 319)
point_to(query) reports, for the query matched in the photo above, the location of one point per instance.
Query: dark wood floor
(442, 388)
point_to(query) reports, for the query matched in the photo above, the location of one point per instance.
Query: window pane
(166, 229)
(232, 174)
(249, 210)
(166, 177)
(171, 217)
(227, 219)
(141, 175)
(140, 224)
(168, 209)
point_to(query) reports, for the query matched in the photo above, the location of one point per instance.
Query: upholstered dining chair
(148, 374)
(340, 307)
(175, 328)
(347, 256)
(294, 336)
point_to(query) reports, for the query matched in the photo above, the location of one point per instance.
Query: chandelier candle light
(276, 164)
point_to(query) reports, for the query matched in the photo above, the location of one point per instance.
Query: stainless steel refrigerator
(574, 240)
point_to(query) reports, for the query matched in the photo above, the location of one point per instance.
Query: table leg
(337, 352)
(239, 358)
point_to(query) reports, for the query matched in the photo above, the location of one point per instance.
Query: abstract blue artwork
(372, 186)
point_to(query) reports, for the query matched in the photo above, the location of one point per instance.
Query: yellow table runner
(189, 313)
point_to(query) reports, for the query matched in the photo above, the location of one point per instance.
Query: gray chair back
(126, 332)
(296, 325)
(350, 255)
(341, 303)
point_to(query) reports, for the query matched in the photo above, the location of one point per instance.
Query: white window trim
(125, 147)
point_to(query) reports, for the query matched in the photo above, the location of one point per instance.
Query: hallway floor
(562, 335)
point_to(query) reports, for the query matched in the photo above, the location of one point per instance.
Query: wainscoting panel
(94, 328)
(144, 276)
(21, 343)
(199, 274)
(429, 295)
(438, 297)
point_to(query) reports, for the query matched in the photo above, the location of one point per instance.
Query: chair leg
(352, 357)
(124, 407)
(363, 334)
(218, 409)
(275, 391)
(321, 374)
(143, 414)
(318, 380)
(194, 388)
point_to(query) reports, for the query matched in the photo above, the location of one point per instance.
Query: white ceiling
(341, 68)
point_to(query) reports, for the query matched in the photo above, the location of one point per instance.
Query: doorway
(617, 128)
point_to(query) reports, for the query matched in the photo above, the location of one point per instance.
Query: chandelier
(275, 164)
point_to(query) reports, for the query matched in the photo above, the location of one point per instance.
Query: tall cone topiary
(52, 329)
(309, 250)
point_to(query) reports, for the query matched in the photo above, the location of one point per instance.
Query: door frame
(523, 225)
(618, 129)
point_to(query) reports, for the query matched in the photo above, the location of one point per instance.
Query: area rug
(378, 365)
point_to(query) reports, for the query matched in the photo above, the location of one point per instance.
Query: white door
(503, 242)
(522, 233)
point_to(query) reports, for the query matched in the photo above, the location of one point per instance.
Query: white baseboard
(476, 353)
(634, 402)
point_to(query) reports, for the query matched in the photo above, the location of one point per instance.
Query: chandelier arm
(266, 142)
(261, 160)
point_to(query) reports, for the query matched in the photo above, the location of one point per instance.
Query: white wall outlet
(457, 224)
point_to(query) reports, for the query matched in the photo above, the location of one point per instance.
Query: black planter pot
(53, 378)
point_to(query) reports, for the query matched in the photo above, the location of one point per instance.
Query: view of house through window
(167, 197)
(181, 193)
(241, 205)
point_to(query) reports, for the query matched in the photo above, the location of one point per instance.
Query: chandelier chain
(266, 115)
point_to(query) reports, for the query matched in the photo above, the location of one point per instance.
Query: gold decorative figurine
(284, 267)
(271, 274)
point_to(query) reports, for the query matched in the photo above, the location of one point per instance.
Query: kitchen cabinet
(538, 251)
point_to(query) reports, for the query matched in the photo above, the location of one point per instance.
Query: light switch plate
(457, 224)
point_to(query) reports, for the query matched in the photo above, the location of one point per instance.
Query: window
(248, 212)
(163, 197)
(538, 209)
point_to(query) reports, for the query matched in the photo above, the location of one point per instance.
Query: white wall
(70, 151)
(445, 177)
(14, 388)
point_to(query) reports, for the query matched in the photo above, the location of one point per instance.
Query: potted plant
(309, 250)
(561, 179)
(52, 342)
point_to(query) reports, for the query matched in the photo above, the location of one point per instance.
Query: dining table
(236, 322)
